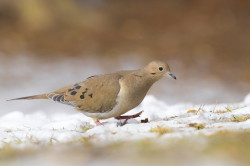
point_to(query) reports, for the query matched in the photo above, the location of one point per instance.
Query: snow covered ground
(38, 132)
(20, 129)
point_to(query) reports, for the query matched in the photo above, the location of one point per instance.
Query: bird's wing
(95, 95)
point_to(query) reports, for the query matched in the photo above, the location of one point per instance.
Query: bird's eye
(160, 68)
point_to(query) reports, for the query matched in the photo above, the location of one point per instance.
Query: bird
(109, 95)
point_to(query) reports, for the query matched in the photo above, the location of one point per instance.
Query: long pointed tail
(41, 96)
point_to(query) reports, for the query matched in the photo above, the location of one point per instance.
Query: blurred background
(48, 44)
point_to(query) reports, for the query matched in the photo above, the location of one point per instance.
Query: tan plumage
(109, 95)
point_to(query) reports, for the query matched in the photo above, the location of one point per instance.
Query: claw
(120, 123)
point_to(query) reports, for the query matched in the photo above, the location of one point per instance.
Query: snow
(40, 122)
(20, 129)
(247, 99)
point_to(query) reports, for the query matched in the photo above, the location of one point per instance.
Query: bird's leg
(97, 122)
(127, 117)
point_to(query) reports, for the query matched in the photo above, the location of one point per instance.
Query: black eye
(160, 68)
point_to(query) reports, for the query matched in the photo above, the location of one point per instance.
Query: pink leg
(98, 123)
(127, 117)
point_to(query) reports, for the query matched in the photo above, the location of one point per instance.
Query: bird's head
(157, 69)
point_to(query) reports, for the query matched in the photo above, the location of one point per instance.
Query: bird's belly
(122, 106)
(126, 100)
(118, 110)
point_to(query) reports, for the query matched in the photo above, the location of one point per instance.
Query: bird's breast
(130, 95)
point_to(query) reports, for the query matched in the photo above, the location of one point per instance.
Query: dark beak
(172, 75)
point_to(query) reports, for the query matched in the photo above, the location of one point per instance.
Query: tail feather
(41, 96)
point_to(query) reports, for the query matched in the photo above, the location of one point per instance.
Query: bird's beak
(172, 75)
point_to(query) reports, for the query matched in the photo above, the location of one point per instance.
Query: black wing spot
(73, 93)
(71, 89)
(83, 93)
(91, 95)
(78, 87)
(91, 76)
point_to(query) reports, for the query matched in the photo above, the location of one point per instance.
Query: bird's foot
(98, 123)
(127, 117)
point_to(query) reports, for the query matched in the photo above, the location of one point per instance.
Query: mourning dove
(109, 95)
